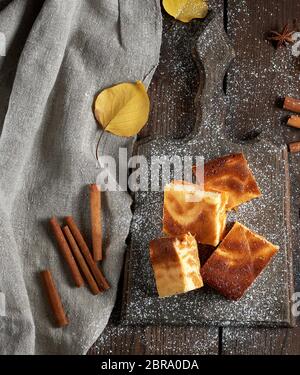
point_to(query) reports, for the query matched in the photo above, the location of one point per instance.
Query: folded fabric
(59, 54)
(2, 304)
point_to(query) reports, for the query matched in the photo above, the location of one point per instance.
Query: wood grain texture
(263, 341)
(258, 77)
(266, 303)
(123, 340)
(172, 93)
(175, 82)
(260, 74)
(156, 340)
(256, 62)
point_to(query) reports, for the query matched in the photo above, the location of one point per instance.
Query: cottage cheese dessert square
(231, 174)
(187, 208)
(176, 265)
(237, 261)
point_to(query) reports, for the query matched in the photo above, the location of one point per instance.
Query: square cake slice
(237, 261)
(187, 208)
(231, 174)
(176, 265)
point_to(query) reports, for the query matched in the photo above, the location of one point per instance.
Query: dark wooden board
(250, 19)
(268, 302)
(259, 71)
(118, 339)
(172, 92)
(261, 341)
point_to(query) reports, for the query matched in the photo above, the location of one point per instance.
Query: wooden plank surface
(267, 302)
(261, 341)
(172, 93)
(259, 75)
(156, 340)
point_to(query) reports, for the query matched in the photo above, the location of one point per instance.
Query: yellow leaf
(186, 10)
(123, 109)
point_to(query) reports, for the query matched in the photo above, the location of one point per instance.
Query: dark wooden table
(257, 78)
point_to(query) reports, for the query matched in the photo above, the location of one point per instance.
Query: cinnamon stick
(294, 147)
(291, 104)
(66, 252)
(294, 121)
(81, 261)
(100, 279)
(54, 299)
(95, 212)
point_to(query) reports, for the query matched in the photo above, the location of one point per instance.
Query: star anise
(283, 38)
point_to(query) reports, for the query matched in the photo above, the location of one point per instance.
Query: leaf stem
(97, 147)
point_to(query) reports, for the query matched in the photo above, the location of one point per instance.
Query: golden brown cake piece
(237, 261)
(187, 208)
(231, 174)
(176, 265)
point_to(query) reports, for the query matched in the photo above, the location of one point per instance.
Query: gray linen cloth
(59, 54)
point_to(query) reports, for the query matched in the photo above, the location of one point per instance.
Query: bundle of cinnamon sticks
(293, 105)
(81, 262)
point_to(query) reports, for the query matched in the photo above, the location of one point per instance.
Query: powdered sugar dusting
(262, 301)
(189, 340)
(266, 302)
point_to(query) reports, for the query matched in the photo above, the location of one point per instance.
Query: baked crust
(176, 265)
(187, 208)
(237, 261)
(231, 174)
